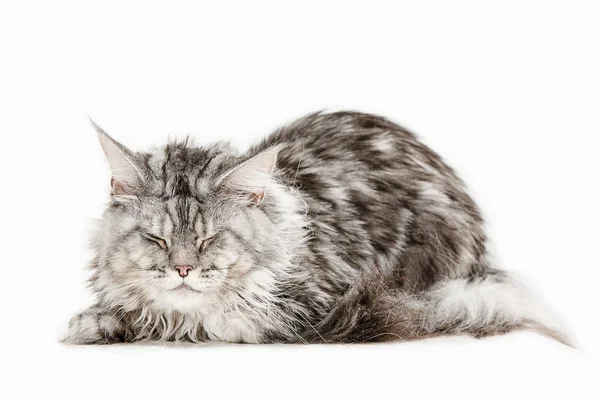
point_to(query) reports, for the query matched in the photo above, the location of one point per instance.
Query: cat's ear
(250, 179)
(126, 174)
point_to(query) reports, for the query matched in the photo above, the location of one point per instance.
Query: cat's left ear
(250, 179)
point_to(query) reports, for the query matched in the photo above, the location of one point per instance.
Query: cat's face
(191, 250)
(180, 254)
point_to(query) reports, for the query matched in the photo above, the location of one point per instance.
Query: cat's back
(349, 141)
(378, 197)
(362, 158)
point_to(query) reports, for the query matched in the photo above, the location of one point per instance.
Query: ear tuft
(251, 177)
(126, 175)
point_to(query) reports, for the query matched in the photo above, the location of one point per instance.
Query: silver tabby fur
(341, 227)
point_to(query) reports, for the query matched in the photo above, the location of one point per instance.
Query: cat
(339, 228)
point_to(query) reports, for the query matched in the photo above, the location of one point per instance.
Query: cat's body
(360, 233)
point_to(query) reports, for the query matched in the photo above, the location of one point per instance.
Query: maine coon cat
(341, 227)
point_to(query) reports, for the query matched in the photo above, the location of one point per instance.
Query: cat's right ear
(126, 178)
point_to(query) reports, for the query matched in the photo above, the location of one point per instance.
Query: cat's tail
(491, 304)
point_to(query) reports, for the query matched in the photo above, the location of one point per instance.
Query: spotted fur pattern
(341, 227)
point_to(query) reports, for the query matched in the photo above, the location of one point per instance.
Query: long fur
(357, 233)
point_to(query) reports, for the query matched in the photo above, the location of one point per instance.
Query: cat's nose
(183, 270)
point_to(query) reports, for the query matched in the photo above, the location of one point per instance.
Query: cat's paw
(91, 328)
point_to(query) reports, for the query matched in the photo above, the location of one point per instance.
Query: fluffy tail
(495, 303)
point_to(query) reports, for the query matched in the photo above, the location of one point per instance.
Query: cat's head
(191, 228)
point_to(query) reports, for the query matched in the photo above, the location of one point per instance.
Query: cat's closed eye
(157, 240)
(203, 243)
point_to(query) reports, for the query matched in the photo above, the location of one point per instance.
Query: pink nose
(183, 270)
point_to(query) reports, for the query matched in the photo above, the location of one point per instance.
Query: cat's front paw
(91, 327)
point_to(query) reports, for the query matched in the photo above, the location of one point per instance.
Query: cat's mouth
(184, 288)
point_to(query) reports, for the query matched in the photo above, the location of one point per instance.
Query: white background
(508, 92)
